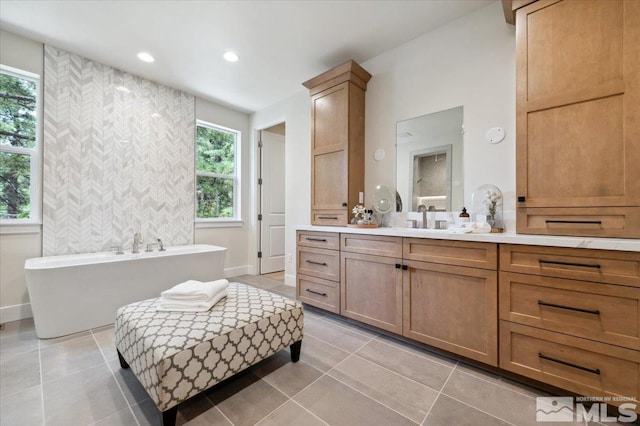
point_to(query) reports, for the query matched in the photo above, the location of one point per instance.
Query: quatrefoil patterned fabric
(176, 355)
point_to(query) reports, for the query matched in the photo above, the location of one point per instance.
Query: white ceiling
(280, 43)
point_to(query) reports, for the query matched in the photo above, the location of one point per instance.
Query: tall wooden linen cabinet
(578, 117)
(337, 142)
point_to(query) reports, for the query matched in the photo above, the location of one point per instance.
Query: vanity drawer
(319, 263)
(371, 244)
(618, 222)
(602, 312)
(318, 292)
(579, 365)
(607, 266)
(459, 253)
(325, 240)
(329, 217)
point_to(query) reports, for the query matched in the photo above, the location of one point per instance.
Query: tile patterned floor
(347, 375)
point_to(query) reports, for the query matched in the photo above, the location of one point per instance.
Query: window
(19, 151)
(217, 173)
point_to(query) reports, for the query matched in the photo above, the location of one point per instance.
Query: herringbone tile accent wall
(118, 158)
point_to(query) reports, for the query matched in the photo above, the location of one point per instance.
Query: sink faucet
(161, 245)
(422, 208)
(137, 240)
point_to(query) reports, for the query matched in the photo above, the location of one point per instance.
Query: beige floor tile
(82, 398)
(284, 290)
(246, 400)
(291, 414)
(286, 376)
(340, 337)
(416, 349)
(499, 380)
(129, 383)
(56, 340)
(319, 354)
(122, 418)
(447, 412)
(496, 400)
(19, 372)
(409, 398)
(199, 411)
(69, 356)
(147, 413)
(409, 364)
(18, 337)
(106, 339)
(338, 404)
(23, 408)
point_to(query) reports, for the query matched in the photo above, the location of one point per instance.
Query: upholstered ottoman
(176, 355)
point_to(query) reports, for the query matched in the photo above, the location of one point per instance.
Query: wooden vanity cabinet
(337, 142)
(318, 270)
(577, 109)
(371, 284)
(454, 308)
(571, 318)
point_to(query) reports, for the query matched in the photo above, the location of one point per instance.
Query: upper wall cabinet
(578, 118)
(337, 142)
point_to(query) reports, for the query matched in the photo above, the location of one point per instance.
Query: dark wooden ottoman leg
(169, 416)
(295, 351)
(123, 363)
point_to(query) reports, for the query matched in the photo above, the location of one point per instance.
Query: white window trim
(35, 180)
(236, 219)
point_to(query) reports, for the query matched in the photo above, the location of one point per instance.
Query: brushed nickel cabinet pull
(581, 265)
(316, 263)
(319, 293)
(328, 217)
(569, 364)
(322, 240)
(578, 222)
(569, 308)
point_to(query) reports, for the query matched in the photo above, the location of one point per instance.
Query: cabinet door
(578, 100)
(329, 140)
(453, 308)
(372, 290)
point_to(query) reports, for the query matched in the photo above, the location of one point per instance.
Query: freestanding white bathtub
(78, 292)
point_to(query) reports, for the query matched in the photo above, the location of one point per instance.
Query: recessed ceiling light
(230, 56)
(146, 57)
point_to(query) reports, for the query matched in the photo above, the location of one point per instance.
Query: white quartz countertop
(621, 244)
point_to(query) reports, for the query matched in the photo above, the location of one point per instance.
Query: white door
(272, 205)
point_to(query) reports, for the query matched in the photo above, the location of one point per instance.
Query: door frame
(258, 189)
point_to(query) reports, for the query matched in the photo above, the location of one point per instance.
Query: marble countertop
(621, 244)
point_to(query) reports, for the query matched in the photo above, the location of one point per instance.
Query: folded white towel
(172, 305)
(195, 290)
(473, 227)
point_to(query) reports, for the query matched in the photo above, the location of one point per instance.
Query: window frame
(35, 157)
(236, 219)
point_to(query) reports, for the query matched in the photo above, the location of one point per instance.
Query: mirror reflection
(429, 161)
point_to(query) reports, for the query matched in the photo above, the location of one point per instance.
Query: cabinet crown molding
(349, 71)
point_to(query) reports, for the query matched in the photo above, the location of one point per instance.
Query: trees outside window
(19, 165)
(217, 183)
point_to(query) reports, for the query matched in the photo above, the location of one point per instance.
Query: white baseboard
(290, 280)
(15, 312)
(238, 270)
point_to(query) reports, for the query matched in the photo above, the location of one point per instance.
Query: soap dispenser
(464, 216)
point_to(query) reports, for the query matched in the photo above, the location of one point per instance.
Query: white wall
(296, 113)
(15, 246)
(240, 258)
(469, 62)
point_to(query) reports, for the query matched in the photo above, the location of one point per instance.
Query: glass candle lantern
(487, 203)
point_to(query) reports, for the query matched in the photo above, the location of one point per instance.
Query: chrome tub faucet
(137, 240)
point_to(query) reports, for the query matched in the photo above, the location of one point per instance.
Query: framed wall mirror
(429, 160)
